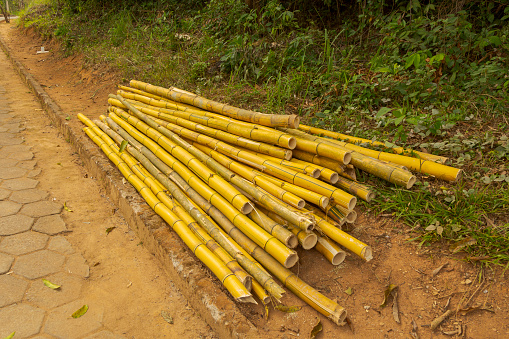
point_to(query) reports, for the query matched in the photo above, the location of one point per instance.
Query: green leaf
(383, 111)
(495, 40)
(10, 335)
(349, 291)
(109, 229)
(462, 244)
(399, 120)
(80, 312)
(417, 60)
(50, 284)
(67, 208)
(123, 145)
(409, 61)
(316, 329)
(287, 309)
(167, 317)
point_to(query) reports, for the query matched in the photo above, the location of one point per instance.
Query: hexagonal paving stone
(23, 319)
(15, 149)
(4, 162)
(40, 295)
(60, 244)
(104, 335)
(41, 208)
(12, 290)
(76, 264)
(8, 208)
(15, 224)
(24, 243)
(20, 184)
(60, 323)
(38, 264)
(33, 173)
(28, 196)
(5, 263)
(28, 164)
(7, 139)
(12, 172)
(4, 194)
(51, 224)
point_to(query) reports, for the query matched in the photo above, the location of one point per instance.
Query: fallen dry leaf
(438, 269)
(316, 329)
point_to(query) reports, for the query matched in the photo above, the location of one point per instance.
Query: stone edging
(185, 270)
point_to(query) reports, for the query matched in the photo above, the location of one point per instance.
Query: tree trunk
(6, 15)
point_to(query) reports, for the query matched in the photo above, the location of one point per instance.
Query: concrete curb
(185, 270)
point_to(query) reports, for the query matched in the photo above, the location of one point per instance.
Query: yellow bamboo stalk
(356, 140)
(260, 292)
(281, 233)
(251, 132)
(306, 240)
(325, 162)
(174, 94)
(225, 275)
(330, 250)
(438, 170)
(260, 236)
(365, 162)
(356, 188)
(317, 212)
(230, 138)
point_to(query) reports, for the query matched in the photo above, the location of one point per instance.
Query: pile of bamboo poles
(244, 189)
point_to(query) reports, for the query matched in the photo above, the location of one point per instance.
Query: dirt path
(125, 281)
(422, 296)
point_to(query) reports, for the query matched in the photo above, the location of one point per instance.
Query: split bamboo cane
(366, 163)
(230, 138)
(356, 140)
(265, 240)
(227, 278)
(258, 290)
(438, 170)
(174, 94)
(163, 172)
(332, 252)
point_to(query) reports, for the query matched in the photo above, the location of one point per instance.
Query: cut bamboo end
(292, 143)
(291, 260)
(316, 173)
(294, 120)
(247, 208)
(351, 217)
(307, 224)
(334, 178)
(324, 202)
(351, 204)
(301, 204)
(247, 299)
(288, 154)
(292, 241)
(411, 182)
(347, 158)
(370, 196)
(309, 241)
(367, 253)
(339, 316)
(338, 258)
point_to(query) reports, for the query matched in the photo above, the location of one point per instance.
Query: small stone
(38, 264)
(12, 172)
(19, 184)
(52, 224)
(41, 208)
(60, 244)
(76, 264)
(23, 243)
(61, 325)
(23, 319)
(28, 196)
(8, 208)
(5, 263)
(12, 290)
(15, 224)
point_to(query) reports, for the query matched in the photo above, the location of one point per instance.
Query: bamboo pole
(258, 290)
(356, 188)
(356, 140)
(325, 162)
(320, 213)
(281, 233)
(332, 252)
(365, 162)
(265, 240)
(438, 170)
(306, 240)
(230, 138)
(175, 94)
(325, 174)
(227, 278)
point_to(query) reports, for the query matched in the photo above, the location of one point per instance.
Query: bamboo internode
(242, 194)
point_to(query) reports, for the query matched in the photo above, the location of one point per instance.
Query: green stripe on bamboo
(268, 242)
(227, 278)
(230, 138)
(163, 172)
(367, 163)
(356, 140)
(271, 120)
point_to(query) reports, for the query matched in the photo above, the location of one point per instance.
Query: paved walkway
(33, 247)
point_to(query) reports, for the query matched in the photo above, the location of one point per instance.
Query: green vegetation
(430, 75)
